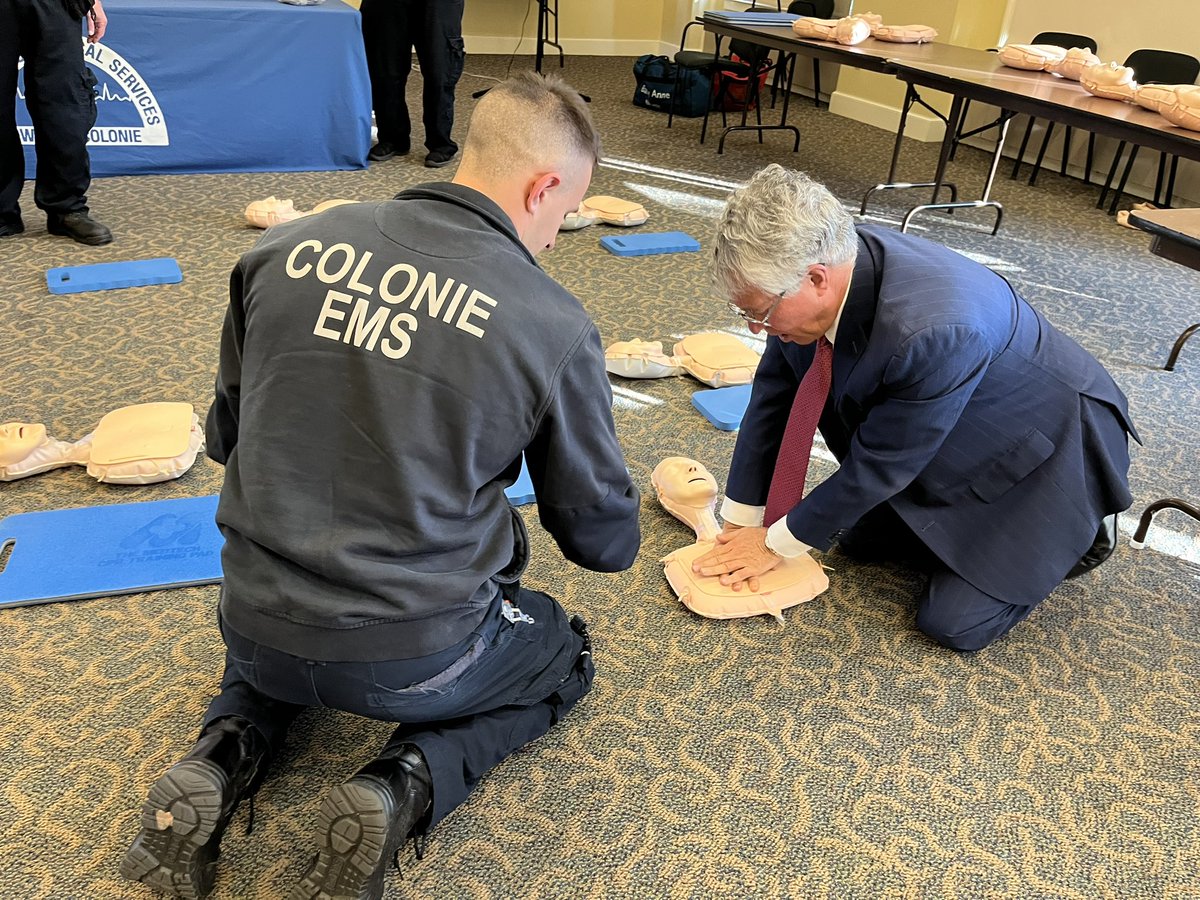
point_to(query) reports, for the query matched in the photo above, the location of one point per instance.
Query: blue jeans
(504, 687)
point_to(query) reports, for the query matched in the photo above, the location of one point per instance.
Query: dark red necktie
(791, 466)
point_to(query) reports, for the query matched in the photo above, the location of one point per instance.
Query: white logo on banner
(117, 83)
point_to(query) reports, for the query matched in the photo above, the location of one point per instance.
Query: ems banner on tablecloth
(189, 86)
(127, 113)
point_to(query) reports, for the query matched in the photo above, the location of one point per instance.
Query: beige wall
(1118, 27)
(586, 27)
(876, 99)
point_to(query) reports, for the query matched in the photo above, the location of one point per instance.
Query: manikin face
(685, 481)
(18, 440)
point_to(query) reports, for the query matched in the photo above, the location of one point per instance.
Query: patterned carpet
(841, 756)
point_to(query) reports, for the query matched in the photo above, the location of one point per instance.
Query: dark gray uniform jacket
(383, 366)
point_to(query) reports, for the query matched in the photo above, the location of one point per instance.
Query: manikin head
(531, 147)
(684, 482)
(785, 251)
(18, 440)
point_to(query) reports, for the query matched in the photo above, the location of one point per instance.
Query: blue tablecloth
(225, 86)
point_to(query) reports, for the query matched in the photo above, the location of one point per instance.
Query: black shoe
(363, 823)
(8, 229)
(435, 159)
(1102, 547)
(79, 226)
(190, 806)
(386, 150)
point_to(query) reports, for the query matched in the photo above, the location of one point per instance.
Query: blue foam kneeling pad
(105, 276)
(521, 491)
(647, 244)
(724, 407)
(100, 551)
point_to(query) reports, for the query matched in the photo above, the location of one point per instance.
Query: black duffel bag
(657, 88)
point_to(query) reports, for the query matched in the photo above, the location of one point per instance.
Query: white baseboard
(920, 126)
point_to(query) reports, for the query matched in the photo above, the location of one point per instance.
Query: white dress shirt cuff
(742, 514)
(783, 543)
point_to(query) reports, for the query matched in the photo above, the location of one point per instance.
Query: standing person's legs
(388, 39)
(190, 806)
(60, 95)
(12, 157)
(457, 726)
(441, 52)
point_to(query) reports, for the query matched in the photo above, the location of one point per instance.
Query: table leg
(947, 144)
(760, 127)
(910, 97)
(708, 108)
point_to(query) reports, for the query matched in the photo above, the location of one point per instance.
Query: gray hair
(531, 120)
(774, 228)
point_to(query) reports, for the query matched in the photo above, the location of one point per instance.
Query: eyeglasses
(765, 321)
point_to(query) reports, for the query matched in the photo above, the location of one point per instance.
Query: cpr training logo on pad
(127, 113)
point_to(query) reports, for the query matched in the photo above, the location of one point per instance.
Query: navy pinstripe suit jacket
(1000, 441)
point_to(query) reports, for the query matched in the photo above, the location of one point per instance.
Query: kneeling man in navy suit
(973, 436)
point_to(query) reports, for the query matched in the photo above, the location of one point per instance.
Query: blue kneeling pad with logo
(125, 548)
(100, 551)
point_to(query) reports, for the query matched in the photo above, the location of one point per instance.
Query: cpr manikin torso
(639, 359)
(688, 491)
(273, 211)
(1034, 57)
(1071, 66)
(717, 359)
(850, 30)
(141, 444)
(1185, 110)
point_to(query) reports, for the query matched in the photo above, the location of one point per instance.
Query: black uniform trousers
(391, 29)
(466, 708)
(61, 98)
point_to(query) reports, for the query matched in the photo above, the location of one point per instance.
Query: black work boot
(79, 227)
(190, 806)
(363, 823)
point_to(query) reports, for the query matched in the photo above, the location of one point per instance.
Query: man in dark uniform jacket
(391, 29)
(60, 96)
(384, 367)
(972, 435)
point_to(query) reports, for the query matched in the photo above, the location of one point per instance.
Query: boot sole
(355, 842)
(179, 816)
